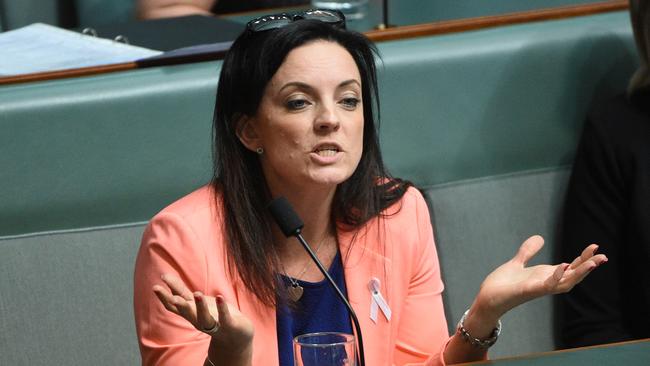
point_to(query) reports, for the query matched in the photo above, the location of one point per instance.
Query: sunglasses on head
(275, 21)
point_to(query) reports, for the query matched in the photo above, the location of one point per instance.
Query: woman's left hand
(513, 283)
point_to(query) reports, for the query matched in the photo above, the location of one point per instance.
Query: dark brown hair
(240, 184)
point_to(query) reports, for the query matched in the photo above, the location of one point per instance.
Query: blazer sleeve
(595, 212)
(422, 332)
(169, 245)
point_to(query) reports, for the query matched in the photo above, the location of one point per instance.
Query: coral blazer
(187, 239)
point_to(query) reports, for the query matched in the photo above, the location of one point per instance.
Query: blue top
(318, 310)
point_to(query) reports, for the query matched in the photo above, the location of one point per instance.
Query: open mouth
(326, 150)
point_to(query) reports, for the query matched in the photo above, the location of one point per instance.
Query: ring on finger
(212, 331)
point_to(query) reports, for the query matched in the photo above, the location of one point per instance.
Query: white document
(40, 47)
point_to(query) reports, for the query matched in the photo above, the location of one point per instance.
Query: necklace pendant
(295, 292)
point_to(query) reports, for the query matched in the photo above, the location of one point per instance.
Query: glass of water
(352, 9)
(324, 349)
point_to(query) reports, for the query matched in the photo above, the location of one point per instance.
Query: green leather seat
(115, 148)
(92, 13)
(65, 13)
(425, 11)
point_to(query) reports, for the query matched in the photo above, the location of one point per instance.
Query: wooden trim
(60, 74)
(409, 31)
(496, 361)
(461, 25)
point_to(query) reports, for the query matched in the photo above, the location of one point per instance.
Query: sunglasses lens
(270, 24)
(323, 16)
(280, 20)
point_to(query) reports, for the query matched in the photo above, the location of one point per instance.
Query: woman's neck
(319, 231)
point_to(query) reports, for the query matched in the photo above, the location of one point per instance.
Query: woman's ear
(245, 129)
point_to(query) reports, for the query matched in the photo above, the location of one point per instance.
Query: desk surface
(633, 353)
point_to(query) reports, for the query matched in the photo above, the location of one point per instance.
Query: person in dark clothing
(150, 9)
(608, 203)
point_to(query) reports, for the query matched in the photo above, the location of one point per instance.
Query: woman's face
(310, 119)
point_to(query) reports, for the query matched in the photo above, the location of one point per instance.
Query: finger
(587, 253)
(185, 308)
(528, 249)
(166, 298)
(224, 311)
(553, 281)
(177, 286)
(587, 266)
(579, 273)
(204, 319)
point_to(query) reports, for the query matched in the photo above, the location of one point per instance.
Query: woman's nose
(327, 118)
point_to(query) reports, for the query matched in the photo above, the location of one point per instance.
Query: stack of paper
(41, 47)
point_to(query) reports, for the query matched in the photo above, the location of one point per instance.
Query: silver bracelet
(211, 332)
(479, 343)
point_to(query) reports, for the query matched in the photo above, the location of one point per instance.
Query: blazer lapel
(363, 260)
(265, 341)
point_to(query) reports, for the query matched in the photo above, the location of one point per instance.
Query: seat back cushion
(67, 297)
(479, 225)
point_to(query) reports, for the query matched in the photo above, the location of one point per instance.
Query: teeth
(327, 152)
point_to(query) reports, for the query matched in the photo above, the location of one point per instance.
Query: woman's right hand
(234, 336)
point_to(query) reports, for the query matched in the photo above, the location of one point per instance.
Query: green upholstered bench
(414, 12)
(64, 13)
(487, 127)
(90, 13)
(484, 122)
(67, 297)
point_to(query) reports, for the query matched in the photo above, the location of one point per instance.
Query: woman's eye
(350, 103)
(297, 104)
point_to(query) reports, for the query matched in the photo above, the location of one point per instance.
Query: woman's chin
(330, 180)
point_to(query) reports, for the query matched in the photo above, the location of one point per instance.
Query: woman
(295, 117)
(607, 202)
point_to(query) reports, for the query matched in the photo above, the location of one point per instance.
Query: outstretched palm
(513, 283)
(205, 312)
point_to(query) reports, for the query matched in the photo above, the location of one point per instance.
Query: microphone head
(286, 218)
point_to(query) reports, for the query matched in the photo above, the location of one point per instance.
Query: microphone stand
(353, 315)
(291, 225)
(384, 16)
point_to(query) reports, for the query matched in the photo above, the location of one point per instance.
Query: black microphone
(291, 225)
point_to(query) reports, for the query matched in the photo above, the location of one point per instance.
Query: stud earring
(259, 151)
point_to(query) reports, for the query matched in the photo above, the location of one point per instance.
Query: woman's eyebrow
(298, 84)
(348, 82)
(305, 86)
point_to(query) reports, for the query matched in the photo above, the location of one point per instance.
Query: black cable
(357, 327)
(291, 225)
(384, 13)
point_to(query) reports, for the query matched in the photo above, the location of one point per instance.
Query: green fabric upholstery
(65, 13)
(497, 101)
(78, 302)
(426, 11)
(67, 298)
(19, 13)
(99, 12)
(116, 148)
(103, 150)
(88, 13)
(479, 224)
